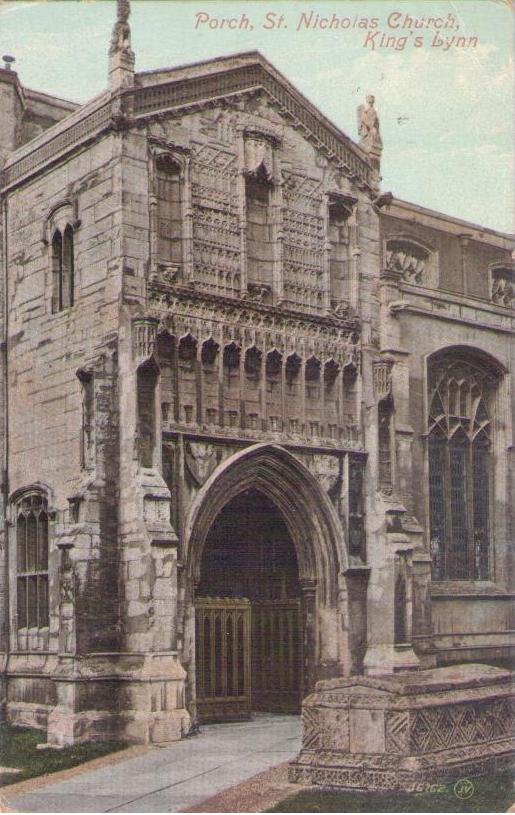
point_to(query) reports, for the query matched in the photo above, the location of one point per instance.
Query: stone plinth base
(136, 698)
(409, 730)
(65, 728)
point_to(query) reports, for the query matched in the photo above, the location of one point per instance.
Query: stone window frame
(346, 205)
(29, 638)
(430, 278)
(500, 433)
(259, 160)
(58, 235)
(162, 270)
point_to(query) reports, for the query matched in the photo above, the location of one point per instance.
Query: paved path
(173, 778)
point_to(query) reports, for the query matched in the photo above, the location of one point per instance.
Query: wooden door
(276, 673)
(223, 652)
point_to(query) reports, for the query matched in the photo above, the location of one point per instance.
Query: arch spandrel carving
(308, 513)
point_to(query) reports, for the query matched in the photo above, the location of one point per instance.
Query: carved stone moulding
(180, 298)
(409, 730)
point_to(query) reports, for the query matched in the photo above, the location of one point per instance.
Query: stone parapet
(407, 731)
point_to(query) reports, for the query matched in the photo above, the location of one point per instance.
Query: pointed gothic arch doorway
(308, 566)
(249, 630)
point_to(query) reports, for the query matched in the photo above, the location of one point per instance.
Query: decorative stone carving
(120, 38)
(200, 460)
(258, 154)
(408, 730)
(144, 332)
(259, 292)
(503, 286)
(340, 310)
(368, 123)
(67, 596)
(182, 308)
(408, 259)
(166, 273)
(215, 219)
(382, 374)
(121, 55)
(156, 509)
(303, 243)
(326, 470)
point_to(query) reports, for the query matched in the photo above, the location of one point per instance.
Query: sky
(446, 113)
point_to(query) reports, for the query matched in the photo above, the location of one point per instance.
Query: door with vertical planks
(276, 664)
(223, 654)
(248, 657)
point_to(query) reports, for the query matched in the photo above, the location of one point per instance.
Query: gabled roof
(166, 88)
(155, 92)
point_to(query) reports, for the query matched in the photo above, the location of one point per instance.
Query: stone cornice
(246, 438)
(437, 304)
(47, 152)
(275, 317)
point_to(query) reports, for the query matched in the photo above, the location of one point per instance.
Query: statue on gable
(121, 36)
(368, 124)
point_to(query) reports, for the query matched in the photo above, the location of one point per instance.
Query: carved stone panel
(503, 287)
(201, 460)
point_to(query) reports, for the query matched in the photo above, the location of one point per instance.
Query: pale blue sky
(446, 117)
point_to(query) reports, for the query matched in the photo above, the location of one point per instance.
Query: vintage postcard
(257, 315)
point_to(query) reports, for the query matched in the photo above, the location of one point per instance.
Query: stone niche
(408, 730)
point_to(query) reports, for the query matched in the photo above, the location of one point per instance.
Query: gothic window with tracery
(461, 396)
(32, 561)
(62, 269)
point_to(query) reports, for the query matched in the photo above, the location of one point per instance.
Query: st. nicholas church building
(256, 413)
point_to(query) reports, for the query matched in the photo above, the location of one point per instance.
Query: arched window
(32, 561)
(62, 269)
(461, 401)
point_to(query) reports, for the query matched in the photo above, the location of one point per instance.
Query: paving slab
(175, 777)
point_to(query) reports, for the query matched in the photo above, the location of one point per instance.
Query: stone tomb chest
(409, 730)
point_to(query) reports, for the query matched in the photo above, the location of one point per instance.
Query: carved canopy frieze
(224, 320)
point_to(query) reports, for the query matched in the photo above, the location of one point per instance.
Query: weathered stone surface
(249, 316)
(408, 731)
